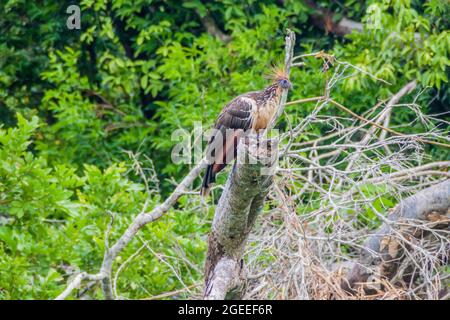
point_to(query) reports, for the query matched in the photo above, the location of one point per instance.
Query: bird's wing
(236, 115)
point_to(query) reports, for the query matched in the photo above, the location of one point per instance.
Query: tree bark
(211, 27)
(383, 251)
(241, 202)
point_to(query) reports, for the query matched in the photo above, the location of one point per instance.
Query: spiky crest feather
(277, 73)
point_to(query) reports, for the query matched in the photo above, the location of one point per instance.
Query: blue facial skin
(285, 84)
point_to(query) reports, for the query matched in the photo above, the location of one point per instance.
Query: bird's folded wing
(237, 116)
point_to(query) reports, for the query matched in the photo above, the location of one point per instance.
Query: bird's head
(284, 83)
(281, 78)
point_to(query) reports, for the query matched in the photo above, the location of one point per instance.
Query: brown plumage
(249, 111)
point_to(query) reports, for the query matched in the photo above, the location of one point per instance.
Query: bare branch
(431, 204)
(140, 221)
(241, 202)
(76, 282)
(212, 28)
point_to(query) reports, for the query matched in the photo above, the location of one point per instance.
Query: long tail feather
(208, 179)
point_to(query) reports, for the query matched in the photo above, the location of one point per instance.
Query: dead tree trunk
(241, 202)
(384, 249)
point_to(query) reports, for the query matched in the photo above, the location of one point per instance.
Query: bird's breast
(264, 114)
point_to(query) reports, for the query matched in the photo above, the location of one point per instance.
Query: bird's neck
(267, 102)
(271, 93)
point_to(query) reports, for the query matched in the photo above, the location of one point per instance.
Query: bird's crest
(277, 73)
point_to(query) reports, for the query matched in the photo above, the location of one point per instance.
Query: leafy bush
(53, 220)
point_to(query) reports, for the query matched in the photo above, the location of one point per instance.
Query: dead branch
(76, 282)
(211, 27)
(239, 205)
(241, 202)
(138, 223)
(383, 250)
(324, 207)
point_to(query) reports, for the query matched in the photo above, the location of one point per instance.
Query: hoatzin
(250, 111)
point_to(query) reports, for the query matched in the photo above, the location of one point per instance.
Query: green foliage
(53, 219)
(73, 101)
(406, 42)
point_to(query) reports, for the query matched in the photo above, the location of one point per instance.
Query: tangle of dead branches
(333, 191)
(330, 193)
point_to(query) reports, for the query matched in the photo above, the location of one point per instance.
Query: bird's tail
(208, 179)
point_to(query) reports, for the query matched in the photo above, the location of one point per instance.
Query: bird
(251, 111)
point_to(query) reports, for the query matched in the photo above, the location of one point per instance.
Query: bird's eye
(284, 83)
